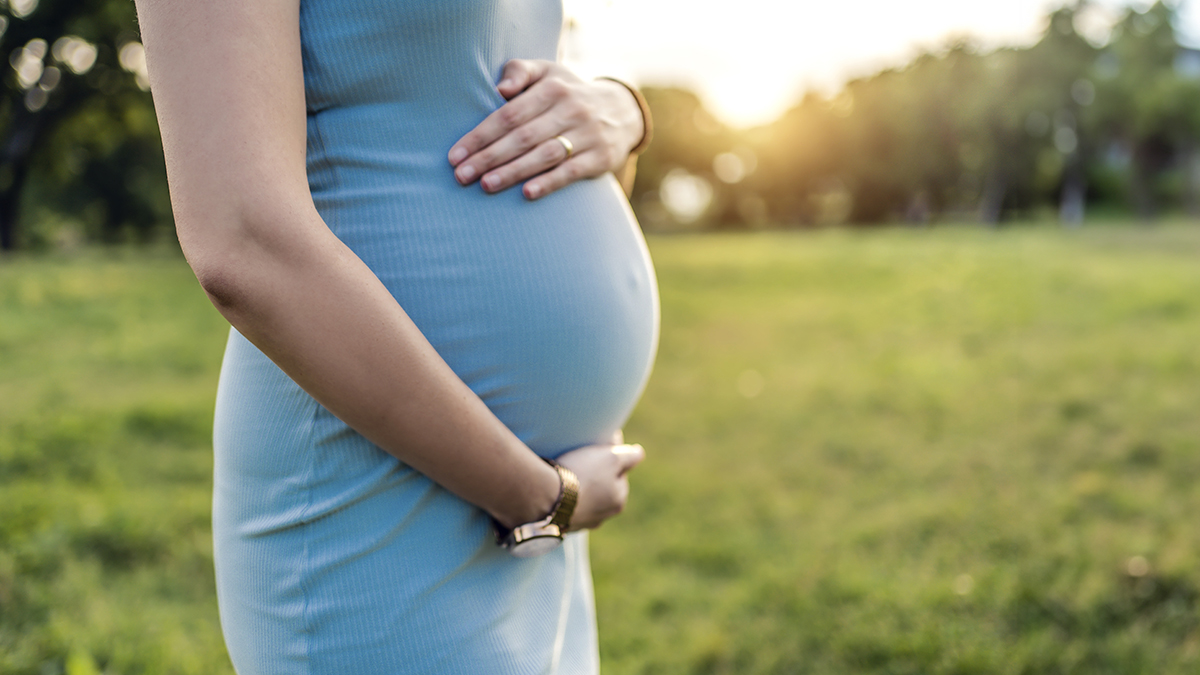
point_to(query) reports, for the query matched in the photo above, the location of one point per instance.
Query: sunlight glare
(751, 61)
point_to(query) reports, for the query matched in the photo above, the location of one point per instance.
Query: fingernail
(533, 191)
(504, 83)
(457, 155)
(491, 182)
(465, 173)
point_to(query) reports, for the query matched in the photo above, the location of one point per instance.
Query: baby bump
(548, 310)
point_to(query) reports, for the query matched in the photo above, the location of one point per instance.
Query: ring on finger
(567, 145)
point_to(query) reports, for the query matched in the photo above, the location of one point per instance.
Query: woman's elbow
(221, 253)
(221, 286)
(229, 253)
(208, 245)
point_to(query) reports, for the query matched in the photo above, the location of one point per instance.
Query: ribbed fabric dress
(331, 555)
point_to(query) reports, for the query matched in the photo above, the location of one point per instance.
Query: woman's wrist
(533, 499)
(645, 130)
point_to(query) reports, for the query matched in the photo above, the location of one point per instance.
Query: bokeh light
(22, 8)
(76, 53)
(133, 59)
(686, 196)
(28, 63)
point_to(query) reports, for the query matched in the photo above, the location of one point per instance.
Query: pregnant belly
(548, 310)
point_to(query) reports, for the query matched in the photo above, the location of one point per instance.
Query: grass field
(946, 451)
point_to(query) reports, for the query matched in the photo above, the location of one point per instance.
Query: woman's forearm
(303, 298)
(228, 86)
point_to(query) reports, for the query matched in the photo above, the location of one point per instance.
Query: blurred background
(784, 116)
(926, 393)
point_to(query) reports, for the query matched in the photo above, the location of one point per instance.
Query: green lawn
(935, 451)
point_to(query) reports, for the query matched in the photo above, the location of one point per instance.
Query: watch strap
(551, 526)
(567, 499)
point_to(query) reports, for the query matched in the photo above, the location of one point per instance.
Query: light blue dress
(331, 555)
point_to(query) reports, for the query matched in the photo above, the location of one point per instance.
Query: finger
(505, 119)
(618, 437)
(522, 153)
(628, 456)
(519, 74)
(544, 157)
(582, 165)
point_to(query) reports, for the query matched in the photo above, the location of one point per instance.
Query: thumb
(519, 74)
(628, 456)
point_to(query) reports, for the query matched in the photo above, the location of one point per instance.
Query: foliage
(107, 366)
(79, 135)
(869, 453)
(962, 132)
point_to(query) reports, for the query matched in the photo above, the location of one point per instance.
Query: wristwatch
(545, 535)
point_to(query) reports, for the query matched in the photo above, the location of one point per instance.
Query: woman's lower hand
(600, 120)
(603, 485)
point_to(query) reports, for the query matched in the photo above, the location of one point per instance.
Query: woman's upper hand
(603, 485)
(600, 119)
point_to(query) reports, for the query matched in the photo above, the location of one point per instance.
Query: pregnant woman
(411, 337)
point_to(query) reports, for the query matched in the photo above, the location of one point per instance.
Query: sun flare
(752, 59)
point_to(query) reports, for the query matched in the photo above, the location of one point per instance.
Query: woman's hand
(603, 486)
(600, 120)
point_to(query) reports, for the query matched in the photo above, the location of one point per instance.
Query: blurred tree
(1038, 148)
(799, 158)
(687, 137)
(1144, 105)
(76, 113)
(914, 131)
(959, 131)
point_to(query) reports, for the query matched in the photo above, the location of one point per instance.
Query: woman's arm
(229, 92)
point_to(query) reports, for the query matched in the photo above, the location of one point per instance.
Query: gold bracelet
(568, 497)
(647, 120)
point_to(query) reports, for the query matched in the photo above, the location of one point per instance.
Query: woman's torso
(330, 553)
(547, 309)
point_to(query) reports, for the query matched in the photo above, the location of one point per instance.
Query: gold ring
(567, 145)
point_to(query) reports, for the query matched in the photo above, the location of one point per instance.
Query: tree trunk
(1191, 174)
(16, 153)
(1143, 200)
(1150, 157)
(10, 205)
(1073, 200)
(991, 204)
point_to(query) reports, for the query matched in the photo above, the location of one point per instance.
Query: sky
(751, 59)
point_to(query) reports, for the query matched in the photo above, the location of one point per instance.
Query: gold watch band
(565, 508)
(538, 537)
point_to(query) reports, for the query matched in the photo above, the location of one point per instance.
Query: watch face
(536, 546)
